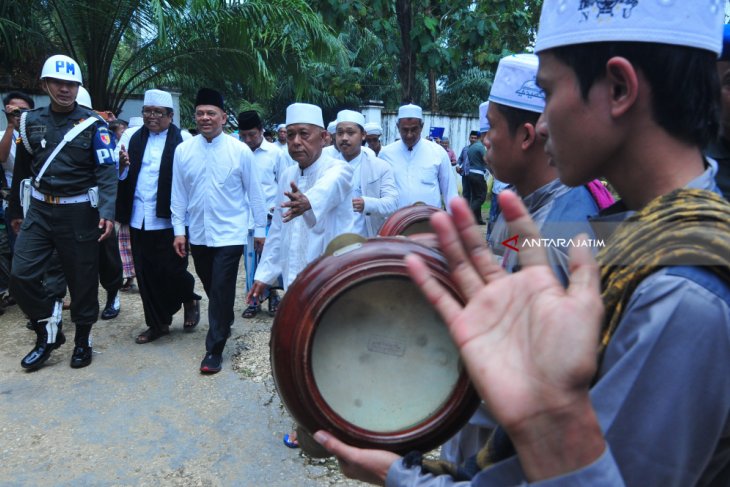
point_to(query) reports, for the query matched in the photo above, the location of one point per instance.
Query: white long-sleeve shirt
(211, 182)
(291, 246)
(269, 164)
(423, 174)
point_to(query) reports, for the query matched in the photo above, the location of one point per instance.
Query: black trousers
(465, 192)
(478, 195)
(217, 268)
(111, 275)
(72, 231)
(163, 277)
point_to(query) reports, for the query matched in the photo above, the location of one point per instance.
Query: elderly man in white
(374, 194)
(313, 202)
(422, 168)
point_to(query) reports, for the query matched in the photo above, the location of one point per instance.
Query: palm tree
(126, 46)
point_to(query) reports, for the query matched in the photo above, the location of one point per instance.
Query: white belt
(59, 200)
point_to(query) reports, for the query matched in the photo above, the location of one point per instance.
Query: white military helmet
(63, 68)
(83, 98)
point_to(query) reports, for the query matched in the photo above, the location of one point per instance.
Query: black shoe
(211, 363)
(251, 311)
(111, 310)
(81, 357)
(42, 350)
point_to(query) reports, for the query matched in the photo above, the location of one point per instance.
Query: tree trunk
(407, 62)
(432, 91)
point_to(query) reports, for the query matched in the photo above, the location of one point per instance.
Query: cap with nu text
(695, 23)
(515, 83)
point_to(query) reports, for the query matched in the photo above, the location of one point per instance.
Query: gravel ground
(144, 415)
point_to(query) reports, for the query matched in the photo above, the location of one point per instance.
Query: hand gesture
(298, 203)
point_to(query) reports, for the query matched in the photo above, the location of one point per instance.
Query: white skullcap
(135, 122)
(157, 98)
(514, 84)
(304, 113)
(483, 122)
(332, 127)
(410, 111)
(83, 98)
(351, 116)
(280, 126)
(373, 128)
(691, 23)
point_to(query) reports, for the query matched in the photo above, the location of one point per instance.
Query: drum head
(380, 347)
(358, 351)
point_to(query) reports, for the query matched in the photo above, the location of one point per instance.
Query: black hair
(516, 117)
(117, 123)
(685, 89)
(17, 95)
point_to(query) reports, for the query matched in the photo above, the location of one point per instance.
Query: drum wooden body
(409, 220)
(357, 350)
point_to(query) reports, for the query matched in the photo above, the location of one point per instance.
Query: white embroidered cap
(304, 113)
(135, 122)
(410, 111)
(280, 126)
(514, 84)
(483, 122)
(157, 98)
(332, 127)
(691, 23)
(373, 128)
(351, 116)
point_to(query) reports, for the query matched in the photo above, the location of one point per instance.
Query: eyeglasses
(153, 113)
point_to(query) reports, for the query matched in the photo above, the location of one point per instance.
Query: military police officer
(67, 153)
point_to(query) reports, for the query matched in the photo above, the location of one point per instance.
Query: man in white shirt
(374, 194)
(212, 180)
(143, 203)
(281, 137)
(312, 206)
(373, 131)
(269, 164)
(422, 168)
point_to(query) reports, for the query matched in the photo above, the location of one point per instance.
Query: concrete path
(143, 414)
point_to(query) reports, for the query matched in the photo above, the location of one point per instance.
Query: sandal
(274, 300)
(151, 334)
(128, 285)
(192, 315)
(290, 442)
(251, 311)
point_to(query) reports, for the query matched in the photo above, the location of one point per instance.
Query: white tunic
(291, 246)
(269, 164)
(9, 163)
(423, 174)
(373, 181)
(210, 184)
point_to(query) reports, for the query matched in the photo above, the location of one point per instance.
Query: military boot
(49, 337)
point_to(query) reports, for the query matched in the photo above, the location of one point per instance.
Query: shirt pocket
(222, 172)
(429, 175)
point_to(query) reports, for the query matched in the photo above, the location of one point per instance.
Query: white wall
(457, 127)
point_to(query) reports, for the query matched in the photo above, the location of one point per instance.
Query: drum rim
(295, 381)
(401, 219)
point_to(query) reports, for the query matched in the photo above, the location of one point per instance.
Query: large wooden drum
(409, 220)
(358, 351)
